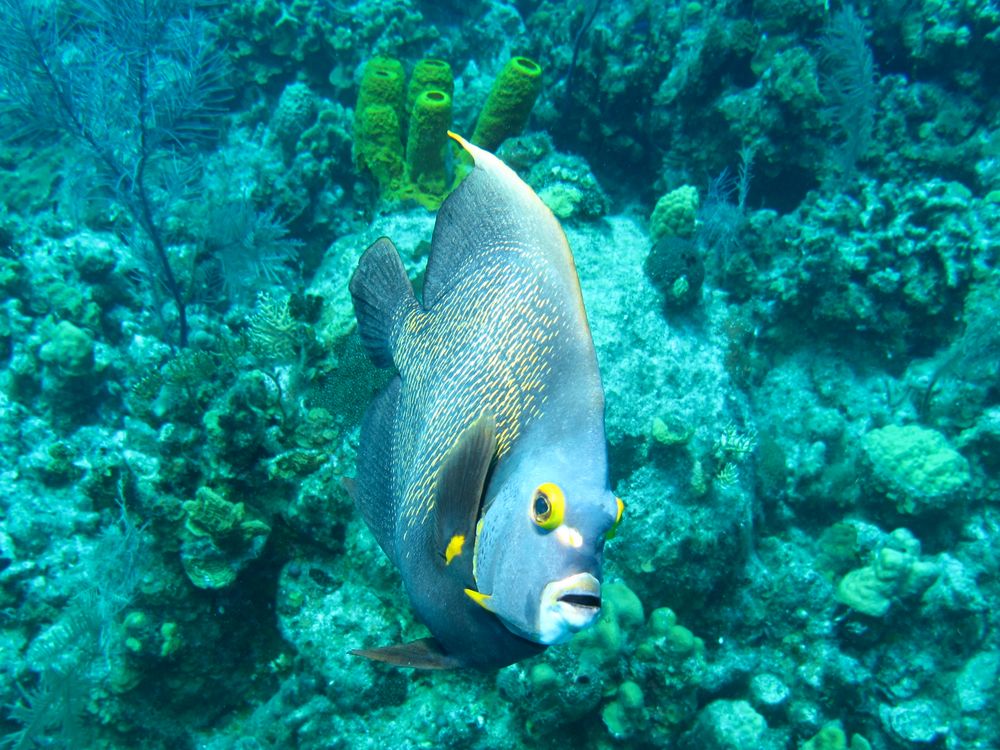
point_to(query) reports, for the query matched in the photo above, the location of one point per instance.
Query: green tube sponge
(429, 75)
(509, 104)
(425, 145)
(379, 148)
(383, 82)
(378, 121)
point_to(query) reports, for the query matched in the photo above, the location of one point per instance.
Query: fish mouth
(592, 601)
(568, 606)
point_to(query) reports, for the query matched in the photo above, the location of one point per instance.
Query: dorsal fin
(382, 294)
(460, 485)
(493, 210)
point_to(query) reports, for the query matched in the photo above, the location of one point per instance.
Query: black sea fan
(848, 84)
(137, 83)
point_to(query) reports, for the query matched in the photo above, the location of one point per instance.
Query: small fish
(482, 469)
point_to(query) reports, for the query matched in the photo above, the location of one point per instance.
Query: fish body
(482, 468)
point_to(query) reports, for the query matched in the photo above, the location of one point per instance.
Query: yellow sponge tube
(509, 104)
(425, 145)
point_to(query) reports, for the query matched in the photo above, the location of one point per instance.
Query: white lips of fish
(567, 607)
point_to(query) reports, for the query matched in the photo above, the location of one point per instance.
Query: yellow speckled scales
(500, 291)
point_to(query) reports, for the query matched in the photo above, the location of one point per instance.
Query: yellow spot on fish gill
(483, 600)
(454, 548)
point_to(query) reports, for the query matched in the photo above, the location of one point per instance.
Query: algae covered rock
(977, 686)
(294, 113)
(676, 267)
(915, 467)
(727, 725)
(220, 537)
(323, 617)
(914, 722)
(769, 693)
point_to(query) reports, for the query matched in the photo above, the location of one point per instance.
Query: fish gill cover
(785, 217)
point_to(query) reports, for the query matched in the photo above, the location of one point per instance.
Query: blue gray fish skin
(494, 422)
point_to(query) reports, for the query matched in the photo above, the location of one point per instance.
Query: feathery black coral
(138, 82)
(848, 83)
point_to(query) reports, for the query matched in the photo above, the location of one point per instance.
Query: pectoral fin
(423, 654)
(460, 486)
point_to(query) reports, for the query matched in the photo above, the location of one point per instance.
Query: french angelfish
(482, 468)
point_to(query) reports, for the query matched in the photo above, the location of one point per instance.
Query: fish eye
(618, 519)
(542, 508)
(548, 506)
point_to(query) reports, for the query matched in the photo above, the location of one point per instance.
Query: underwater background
(785, 216)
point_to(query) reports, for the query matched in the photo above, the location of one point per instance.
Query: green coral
(895, 572)
(603, 644)
(295, 464)
(675, 214)
(833, 737)
(562, 199)
(383, 82)
(640, 675)
(576, 681)
(295, 112)
(838, 549)
(69, 349)
(670, 431)
(915, 467)
(428, 104)
(795, 80)
(509, 104)
(626, 714)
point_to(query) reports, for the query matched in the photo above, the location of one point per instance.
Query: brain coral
(915, 467)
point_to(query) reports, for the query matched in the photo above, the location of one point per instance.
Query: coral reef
(786, 223)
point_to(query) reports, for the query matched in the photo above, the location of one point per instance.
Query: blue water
(785, 219)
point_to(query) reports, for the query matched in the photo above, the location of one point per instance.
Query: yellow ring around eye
(618, 519)
(548, 506)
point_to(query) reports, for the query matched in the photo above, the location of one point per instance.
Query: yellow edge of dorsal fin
(460, 140)
(483, 600)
